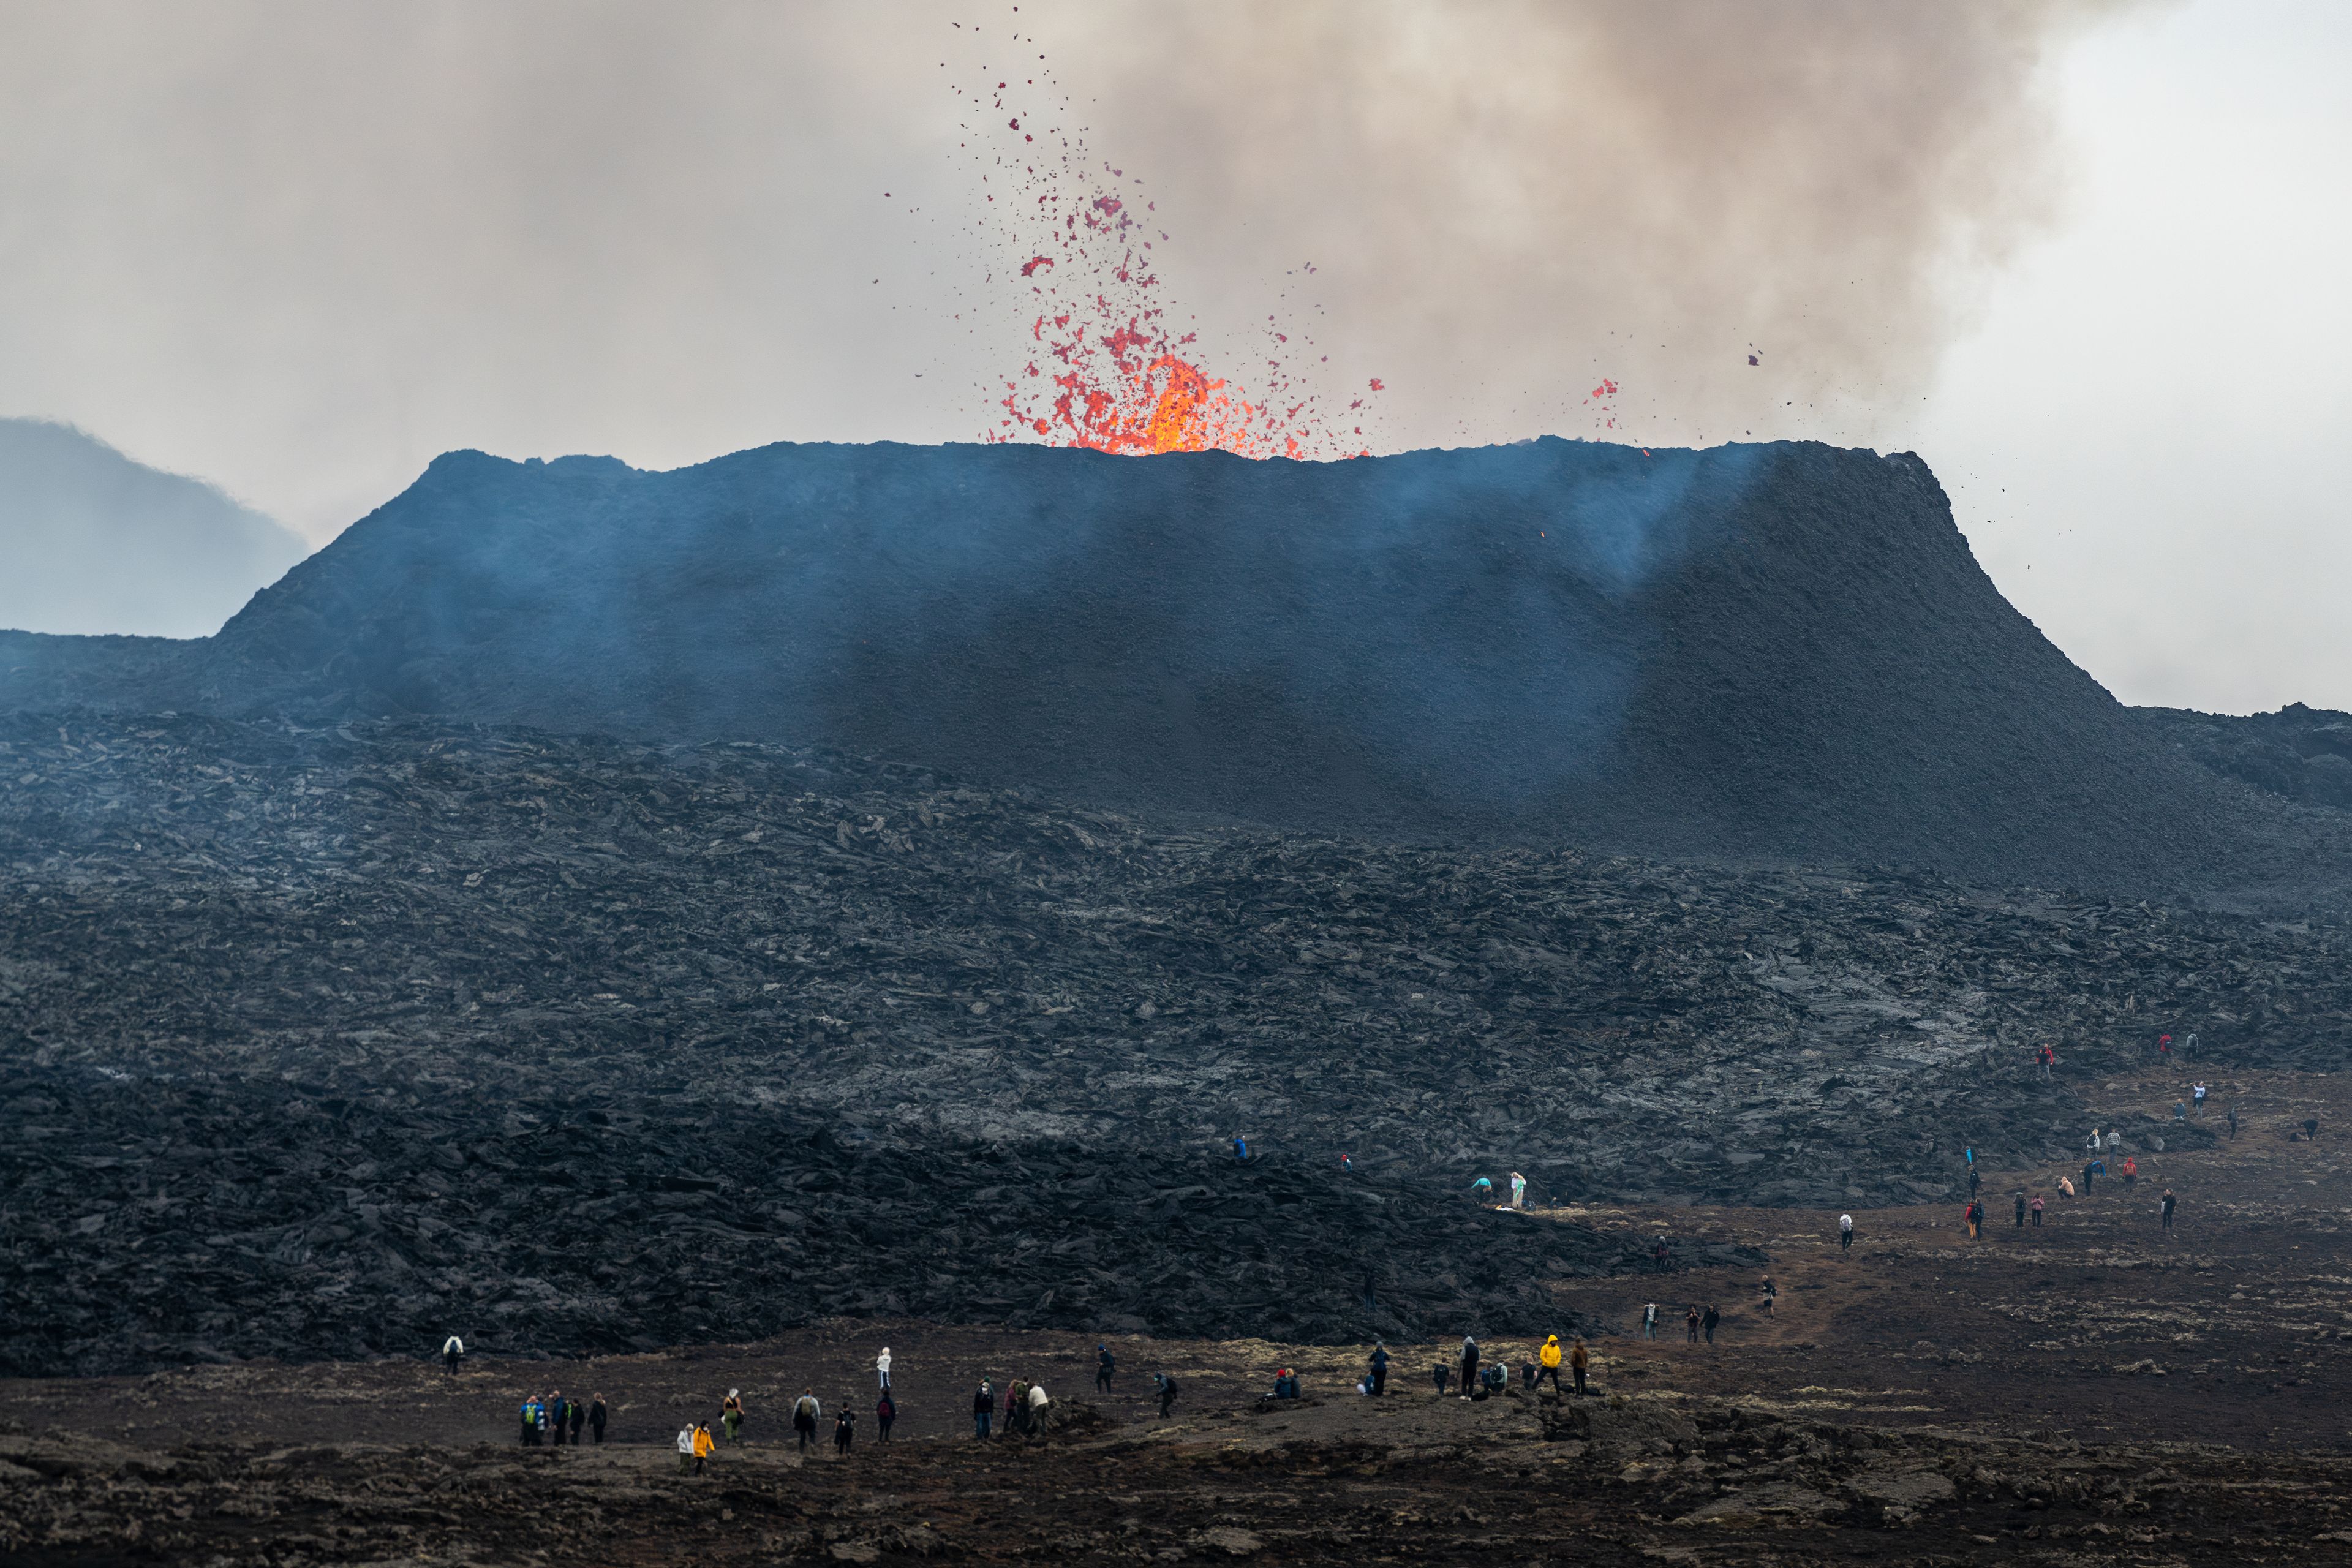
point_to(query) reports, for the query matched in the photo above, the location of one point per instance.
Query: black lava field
(597, 910)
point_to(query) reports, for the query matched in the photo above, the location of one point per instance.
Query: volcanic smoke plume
(1735, 209)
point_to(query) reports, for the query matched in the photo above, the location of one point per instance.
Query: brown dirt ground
(2193, 1386)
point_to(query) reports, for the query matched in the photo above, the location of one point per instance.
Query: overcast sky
(2085, 258)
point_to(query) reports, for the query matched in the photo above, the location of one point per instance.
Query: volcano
(1780, 651)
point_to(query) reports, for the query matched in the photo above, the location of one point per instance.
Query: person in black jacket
(596, 1420)
(1166, 1387)
(1707, 1321)
(983, 1408)
(845, 1428)
(884, 1412)
(557, 1412)
(579, 1418)
(1104, 1367)
(1469, 1365)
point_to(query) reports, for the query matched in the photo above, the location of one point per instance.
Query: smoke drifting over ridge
(301, 249)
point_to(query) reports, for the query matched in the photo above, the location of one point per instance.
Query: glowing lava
(1110, 372)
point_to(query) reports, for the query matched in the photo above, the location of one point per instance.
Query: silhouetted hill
(1778, 651)
(94, 542)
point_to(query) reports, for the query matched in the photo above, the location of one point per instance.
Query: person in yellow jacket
(702, 1446)
(1548, 1363)
(1579, 1358)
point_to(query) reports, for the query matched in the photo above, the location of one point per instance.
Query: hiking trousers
(1547, 1372)
(1578, 1373)
(1845, 1241)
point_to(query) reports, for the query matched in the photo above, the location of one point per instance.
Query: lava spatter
(1109, 369)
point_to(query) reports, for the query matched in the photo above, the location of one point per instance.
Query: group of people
(1024, 1409)
(1483, 1378)
(1483, 1191)
(551, 1418)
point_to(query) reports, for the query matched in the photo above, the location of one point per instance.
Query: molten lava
(1110, 372)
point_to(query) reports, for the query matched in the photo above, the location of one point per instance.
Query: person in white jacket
(686, 1447)
(882, 1368)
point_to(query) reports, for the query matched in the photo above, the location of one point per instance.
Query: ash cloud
(1507, 200)
(301, 249)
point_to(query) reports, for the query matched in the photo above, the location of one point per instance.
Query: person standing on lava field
(805, 1414)
(1708, 1321)
(703, 1445)
(1845, 1232)
(983, 1408)
(579, 1416)
(1469, 1364)
(530, 1412)
(2035, 1209)
(1976, 1182)
(2020, 1208)
(686, 1447)
(1241, 1147)
(1380, 1367)
(1649, 1322)
(730, 1414)
(884, 1412)
(844, 1429)
(2233, 1122)
(882, 1369)
(1690, 1325)
(1580, 1360)
(2165, 1207)
(558, 1413)
(1547, 1364)
(1658, 1254)
(1167, 1387)
(453, 1351)
(2131, 1171)
(1771, 1294)
(1104, 1366)
(1973, 1216)
(1519, 1191)
(1483, 1192)
(597, 1420)
(1438, 1375)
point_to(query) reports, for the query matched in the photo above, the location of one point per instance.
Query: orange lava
(1109, 370)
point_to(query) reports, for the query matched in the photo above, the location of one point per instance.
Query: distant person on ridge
(1548, 1363)
(1771, 1294)
(453, 1351)
(1578, 1359)
(2233, 1122)
(579, 1415)
(1707, 1323)
(2165, 1207)
(1845, 1232)
(1438, 1375)
(1469, 1364)
(844, 1429)
(1690, 1325)
(1380, 1367)
(1650, 1320)
(2035, 1208)
(1482, 1190)
(557, 1412)
(703, 1445)
(2020, 1208)
(2131, 1171)
(882, 1369)
(596, 1420)
(1519, 1191)
(1104, 1367)
(686, 1447)
(983, 1408)
(730, 1414)
(1241, 1147)
(1166, 1387)
(886, 1410)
